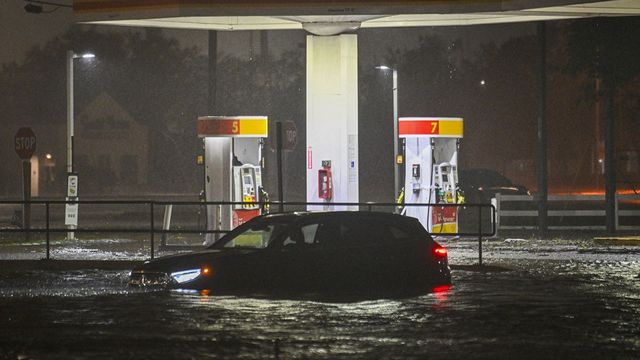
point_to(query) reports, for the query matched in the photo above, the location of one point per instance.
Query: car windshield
(257, 235)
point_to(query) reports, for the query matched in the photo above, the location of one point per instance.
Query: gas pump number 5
(235, 127)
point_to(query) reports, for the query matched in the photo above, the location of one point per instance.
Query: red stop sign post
(25, 146)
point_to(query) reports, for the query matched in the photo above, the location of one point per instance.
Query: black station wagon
(324, 253)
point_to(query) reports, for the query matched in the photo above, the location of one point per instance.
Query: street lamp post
(70, 57)
(396, 169)
(70, 121)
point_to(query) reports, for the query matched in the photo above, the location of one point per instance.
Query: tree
(607, 49)
(271, 86)
(154, 78)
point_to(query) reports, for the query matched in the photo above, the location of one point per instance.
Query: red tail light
(439, 251)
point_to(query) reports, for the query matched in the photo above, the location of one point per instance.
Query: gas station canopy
(332, 17)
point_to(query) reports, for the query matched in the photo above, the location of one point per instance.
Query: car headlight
(185, 275)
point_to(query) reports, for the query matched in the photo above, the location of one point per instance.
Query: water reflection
(441, 293)
(542, 309)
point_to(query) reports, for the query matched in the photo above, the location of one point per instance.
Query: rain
(522, 286)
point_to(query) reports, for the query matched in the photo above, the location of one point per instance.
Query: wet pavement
(566, 299)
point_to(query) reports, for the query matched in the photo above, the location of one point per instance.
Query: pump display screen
(445, 178)
(247, 180)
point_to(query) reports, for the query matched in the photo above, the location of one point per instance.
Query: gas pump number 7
(434, 127)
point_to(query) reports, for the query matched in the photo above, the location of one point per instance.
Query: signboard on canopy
(233, 126)
(430, 127)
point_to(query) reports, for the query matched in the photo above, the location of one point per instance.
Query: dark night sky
(20, 31)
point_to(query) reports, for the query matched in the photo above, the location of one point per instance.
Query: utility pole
(542, 132)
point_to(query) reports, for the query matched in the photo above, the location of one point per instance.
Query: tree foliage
(606, 47)
(160, 83)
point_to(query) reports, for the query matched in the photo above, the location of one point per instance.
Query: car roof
(337, 214)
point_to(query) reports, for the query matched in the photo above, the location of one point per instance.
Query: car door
(295, 259)
(365, 253)
(375, 254)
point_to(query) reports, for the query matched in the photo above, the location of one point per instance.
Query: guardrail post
(480, 235)
(166, 224)
(496, 214)
(151, 228)
(495, 221)
(48, 232)
(615, 212)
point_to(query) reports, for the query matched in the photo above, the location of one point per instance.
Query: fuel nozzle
(439, 195)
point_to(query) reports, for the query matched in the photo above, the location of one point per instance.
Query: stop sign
(25, 141)
(289, 136)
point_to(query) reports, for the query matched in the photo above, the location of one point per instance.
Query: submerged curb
(13, 265)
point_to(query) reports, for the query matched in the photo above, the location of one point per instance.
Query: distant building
(111, 149)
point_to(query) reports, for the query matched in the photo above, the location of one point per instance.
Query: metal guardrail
(500, 200)
(152, 229)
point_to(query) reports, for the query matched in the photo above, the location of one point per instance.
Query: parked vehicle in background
(480, 185)
(328, 253)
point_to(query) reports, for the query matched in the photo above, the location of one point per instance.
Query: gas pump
(432, 152)
(446, 183)
(233, 168)
(247, 182)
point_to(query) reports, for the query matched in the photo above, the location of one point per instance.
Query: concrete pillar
(332, 116)
(218, 157)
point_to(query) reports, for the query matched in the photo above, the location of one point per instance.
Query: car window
(304, 235)
(309, 232)
(256, 237)
(399, 234)
(364, 232)
(350, 231)
(327, 233)
(289, 240)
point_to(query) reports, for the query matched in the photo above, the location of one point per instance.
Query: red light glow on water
(441, 289)
(441, 293)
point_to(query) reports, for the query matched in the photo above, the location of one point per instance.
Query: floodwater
(557, 302)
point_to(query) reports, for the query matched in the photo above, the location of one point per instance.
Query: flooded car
(480, 185)
(317, 253)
